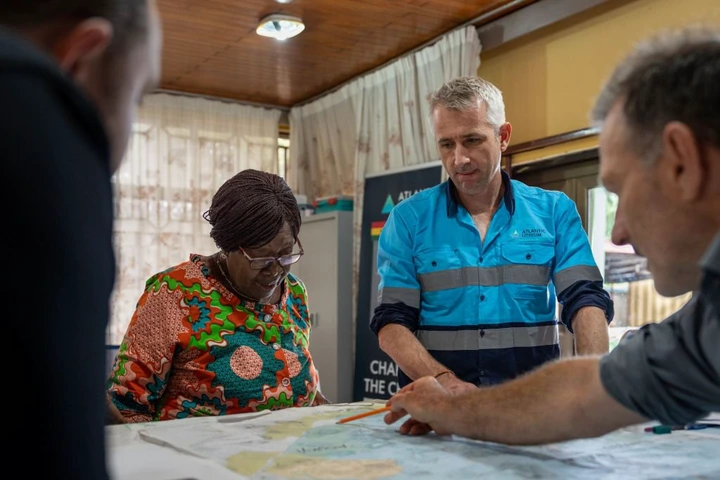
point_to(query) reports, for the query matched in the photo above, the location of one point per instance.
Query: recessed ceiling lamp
(280, 26)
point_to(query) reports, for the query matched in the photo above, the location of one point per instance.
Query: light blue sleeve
(574, 261)
(398, 276)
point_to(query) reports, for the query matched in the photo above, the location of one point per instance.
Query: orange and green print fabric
(195, 349)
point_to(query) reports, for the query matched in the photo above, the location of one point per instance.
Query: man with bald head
(71, 75)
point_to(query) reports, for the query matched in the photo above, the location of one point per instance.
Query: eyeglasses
(261, 263)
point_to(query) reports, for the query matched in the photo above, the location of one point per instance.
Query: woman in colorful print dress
(227, 333)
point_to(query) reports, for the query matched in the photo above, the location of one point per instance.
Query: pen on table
(661, 429)
(363, 415)
(701, 426)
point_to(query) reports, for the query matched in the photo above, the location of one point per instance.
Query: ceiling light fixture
(280, 26)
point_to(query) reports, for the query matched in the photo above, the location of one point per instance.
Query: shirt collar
(711, 260)
(508, 196)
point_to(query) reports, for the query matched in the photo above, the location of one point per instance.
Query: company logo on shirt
(533, 232)
(528, 233)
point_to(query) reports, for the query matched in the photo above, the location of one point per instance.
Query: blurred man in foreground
(71, 75)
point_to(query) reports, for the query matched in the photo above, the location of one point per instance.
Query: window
(180, 152)
(627, 279)
(283, 156)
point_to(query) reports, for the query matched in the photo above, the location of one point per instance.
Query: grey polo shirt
(670, 372)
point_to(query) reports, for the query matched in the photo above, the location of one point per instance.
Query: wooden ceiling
(211, 46)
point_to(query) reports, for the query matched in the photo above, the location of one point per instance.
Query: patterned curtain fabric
(379, 122)
(181, 150)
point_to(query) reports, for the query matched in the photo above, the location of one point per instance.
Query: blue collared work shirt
(486, 309)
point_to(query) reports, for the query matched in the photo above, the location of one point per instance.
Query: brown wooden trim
(182, 93)
(508, 165)
(507, 9)
(563, 160)
(553, 140)
(530, 19)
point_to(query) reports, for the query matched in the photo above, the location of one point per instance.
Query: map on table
(306, 443)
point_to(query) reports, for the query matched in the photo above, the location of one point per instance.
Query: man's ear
(684, 170)
(505, 132)
(85, 43)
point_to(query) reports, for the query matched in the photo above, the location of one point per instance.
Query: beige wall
(550, 78)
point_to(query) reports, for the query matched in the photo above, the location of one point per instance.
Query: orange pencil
(363, 415)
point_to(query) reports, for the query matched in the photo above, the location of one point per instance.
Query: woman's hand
(114, 417)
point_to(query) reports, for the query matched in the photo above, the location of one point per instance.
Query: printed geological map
(306, 443)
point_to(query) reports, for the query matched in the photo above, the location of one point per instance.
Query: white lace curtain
(181, 150)
(376, 123)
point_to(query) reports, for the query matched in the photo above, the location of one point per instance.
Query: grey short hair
(463, 93)
(674, 76)
(129, 18)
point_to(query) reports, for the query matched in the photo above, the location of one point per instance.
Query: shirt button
(276, 346)
(482, 373)
(480, 259)
(285, 382)
(482, 298)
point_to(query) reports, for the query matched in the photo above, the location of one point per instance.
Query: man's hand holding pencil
(429, 405)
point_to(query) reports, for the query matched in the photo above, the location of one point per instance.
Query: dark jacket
(58, 267)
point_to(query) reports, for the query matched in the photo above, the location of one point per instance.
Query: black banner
(375, 372)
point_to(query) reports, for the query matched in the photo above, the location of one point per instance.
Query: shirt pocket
(443, 283)
(526, 270)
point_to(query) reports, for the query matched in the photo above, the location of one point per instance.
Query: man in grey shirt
(660, 153)
(671, 371)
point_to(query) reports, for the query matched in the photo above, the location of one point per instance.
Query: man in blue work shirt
(660, 153)
(471, 269)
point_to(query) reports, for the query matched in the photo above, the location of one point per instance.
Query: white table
(228, 448)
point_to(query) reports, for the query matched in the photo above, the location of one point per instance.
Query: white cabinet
(326, 269)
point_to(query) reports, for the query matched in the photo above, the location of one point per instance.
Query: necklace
(227, 278)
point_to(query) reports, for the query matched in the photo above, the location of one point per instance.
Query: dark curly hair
(249, 210)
